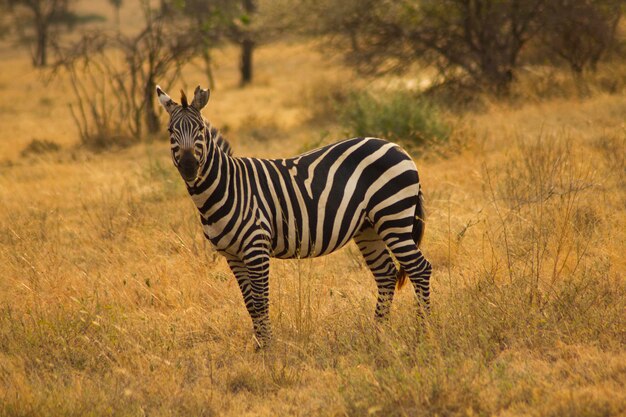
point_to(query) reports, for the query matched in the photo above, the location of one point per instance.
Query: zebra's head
(187, 131)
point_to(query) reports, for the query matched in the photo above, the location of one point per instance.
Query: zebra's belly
(301, 254)
(302, 251)
(316, 238)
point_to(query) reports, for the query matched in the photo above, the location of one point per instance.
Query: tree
(246, 23)
(114, 76)
(580, 32)
(212, 21)
(39, 21)
(41, 16)
(247, 41)
(483, 38)
(159, 50)
(221, 21)
(477, 41)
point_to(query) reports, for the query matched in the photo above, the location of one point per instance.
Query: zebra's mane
(216, 136)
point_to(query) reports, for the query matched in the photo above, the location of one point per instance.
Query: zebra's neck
(214, 174)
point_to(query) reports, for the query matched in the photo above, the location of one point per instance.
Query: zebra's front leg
(258, 263)
(240, 270)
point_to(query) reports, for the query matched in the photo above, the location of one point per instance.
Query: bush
(39, 147)
(100, 138)
(399, 117)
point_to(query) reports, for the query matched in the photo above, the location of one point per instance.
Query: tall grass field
(112, 303)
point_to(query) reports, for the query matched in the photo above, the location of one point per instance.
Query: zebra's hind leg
(414, 263)
(380, 262)
(419, 274)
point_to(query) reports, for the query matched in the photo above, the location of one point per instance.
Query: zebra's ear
(200, 98)
(165, 100)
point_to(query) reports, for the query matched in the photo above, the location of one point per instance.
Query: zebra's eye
(169, 129)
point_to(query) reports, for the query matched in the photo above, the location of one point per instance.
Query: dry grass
(112, 303)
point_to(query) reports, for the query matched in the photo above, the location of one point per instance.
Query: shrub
(40, 146)
(399, 116)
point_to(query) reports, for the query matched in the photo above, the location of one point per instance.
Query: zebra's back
(314, 203)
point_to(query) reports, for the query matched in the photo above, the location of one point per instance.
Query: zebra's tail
(420, 216)
(418, 234)
(400, 278)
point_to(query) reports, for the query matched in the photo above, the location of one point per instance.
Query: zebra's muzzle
(188, 166)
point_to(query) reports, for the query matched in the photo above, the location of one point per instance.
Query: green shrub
(399, 117)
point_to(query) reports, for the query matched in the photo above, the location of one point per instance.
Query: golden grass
(112, 303)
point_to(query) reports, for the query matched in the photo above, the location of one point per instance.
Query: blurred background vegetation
(451, 54)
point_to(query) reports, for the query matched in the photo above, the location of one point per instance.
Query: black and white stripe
(366, 189)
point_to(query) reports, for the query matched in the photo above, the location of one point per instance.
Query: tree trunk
(247, 45)
(247, 48)
(496, 77)
(152, 119)
(208, 67)
(503, 81)
(40, 59)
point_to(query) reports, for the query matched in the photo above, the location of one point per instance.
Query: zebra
(252, 209)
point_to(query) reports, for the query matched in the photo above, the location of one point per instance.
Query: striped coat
(251, 209)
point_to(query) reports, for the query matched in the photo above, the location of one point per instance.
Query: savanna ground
(112, 303)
